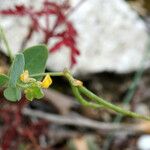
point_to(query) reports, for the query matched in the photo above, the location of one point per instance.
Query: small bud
(78, 83)
(24, 77)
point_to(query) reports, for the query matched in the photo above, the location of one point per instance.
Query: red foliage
(16, 126)
(65, 38)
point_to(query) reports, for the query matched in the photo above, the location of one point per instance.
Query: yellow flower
(24, 77)
(47, 81)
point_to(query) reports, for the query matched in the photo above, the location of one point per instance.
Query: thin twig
(81, 122)
(3, 36)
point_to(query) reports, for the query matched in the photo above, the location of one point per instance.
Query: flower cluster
(33, 88)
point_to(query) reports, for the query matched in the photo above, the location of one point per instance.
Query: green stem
(130, 94)
(109, 105)
(3, 36)
(50, 73)
(99, 101)
(23, 86)
(82, 100)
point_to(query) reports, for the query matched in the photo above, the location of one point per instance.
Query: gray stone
(111, 37)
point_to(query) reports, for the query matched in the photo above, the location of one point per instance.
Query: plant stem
(50, 73)
(109, 105)
(3, 36)
(129, 95)
(82, 100)
(99, 101)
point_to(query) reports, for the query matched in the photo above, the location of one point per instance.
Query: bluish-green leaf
(16, 69)
(3, 79)
(35, 59)
(12, 94)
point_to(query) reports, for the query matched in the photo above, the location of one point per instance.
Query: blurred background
(105, 44)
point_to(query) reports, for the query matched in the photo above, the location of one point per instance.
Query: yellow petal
(46, 82)
(24, 77)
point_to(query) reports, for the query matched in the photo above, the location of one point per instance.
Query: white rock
(111, 37)
(142, 109)
(144, 142)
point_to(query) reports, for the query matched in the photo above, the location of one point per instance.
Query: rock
(144, 142)
(142, 109)
(109, 40)
(111, 37)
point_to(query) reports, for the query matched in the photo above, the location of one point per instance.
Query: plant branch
(131, 91)
(109, 105)
(78, 88)
(50, 73)
(82, 100)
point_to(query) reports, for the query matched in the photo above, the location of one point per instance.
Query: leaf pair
(32, 59)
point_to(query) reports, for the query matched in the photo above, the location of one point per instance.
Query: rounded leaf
(12, 94)
(35, 59)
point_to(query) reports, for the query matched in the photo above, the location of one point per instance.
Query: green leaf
(34, 92)
(3, 79)
(12, 94)
(29, 96)
(38, 93)
(16, 69)
(35, 59)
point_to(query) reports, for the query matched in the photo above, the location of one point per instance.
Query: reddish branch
(67, 37)
(16, 126)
